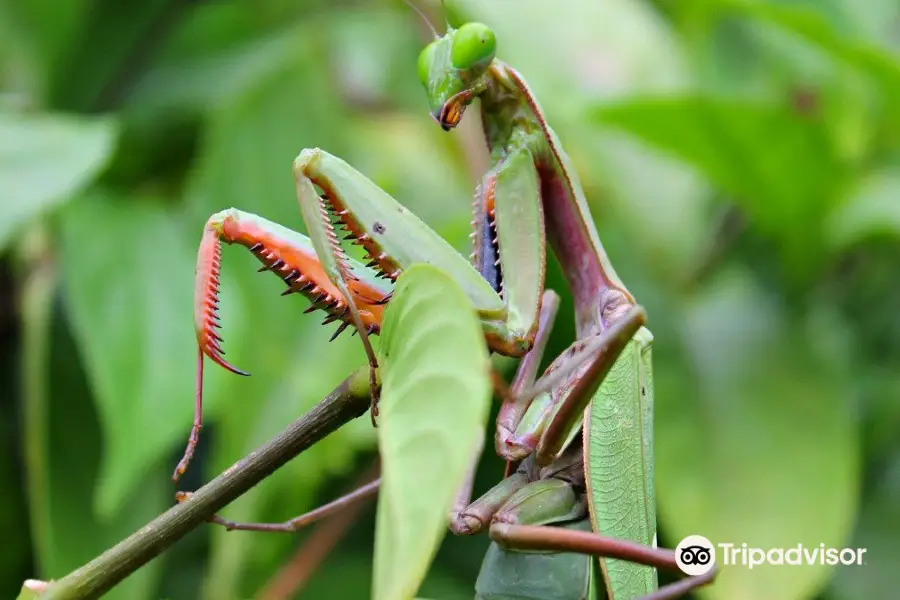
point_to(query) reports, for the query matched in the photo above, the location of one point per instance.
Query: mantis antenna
(424, 18)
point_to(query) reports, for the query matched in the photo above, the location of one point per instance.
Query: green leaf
(128, 272)
(761, 446)
(44, 160)
(512, 574)
(48, 30)
(875, 23)
(783, 181)
(197, 83)
(16, 554)
(434, 404)
(872, 209)
(284, 105)
(91, 70)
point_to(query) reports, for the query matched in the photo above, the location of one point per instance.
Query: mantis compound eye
(474, 45)
(426, 57)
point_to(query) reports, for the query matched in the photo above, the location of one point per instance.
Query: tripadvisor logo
(696, 555)
(732, 554)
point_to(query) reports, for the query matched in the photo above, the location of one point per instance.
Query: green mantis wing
(619, 464)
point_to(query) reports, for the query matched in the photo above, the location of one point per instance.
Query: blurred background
(742, 160)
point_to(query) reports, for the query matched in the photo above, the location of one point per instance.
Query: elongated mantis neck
(511, 119)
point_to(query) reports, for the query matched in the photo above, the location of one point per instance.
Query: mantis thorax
(508, 121)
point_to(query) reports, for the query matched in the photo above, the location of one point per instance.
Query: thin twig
(346, 402)
(294, 575)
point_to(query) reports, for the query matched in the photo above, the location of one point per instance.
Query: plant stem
(38, 284)
(347, 401)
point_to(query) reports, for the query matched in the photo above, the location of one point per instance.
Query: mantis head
(453, 69)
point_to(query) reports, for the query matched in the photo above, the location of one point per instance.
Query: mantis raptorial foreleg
(540, 495)
(393, 238)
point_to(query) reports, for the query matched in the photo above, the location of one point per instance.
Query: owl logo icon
(695, 555)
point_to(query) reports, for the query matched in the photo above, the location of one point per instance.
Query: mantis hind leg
(360, 494)
(507, 574)
(555, 539)
(556, 497)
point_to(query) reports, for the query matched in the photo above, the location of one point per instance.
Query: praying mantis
(608, 476)
(597, 485)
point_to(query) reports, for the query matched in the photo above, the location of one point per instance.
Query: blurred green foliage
(742, 159)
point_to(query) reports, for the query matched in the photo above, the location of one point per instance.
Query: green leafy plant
(740, 158)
